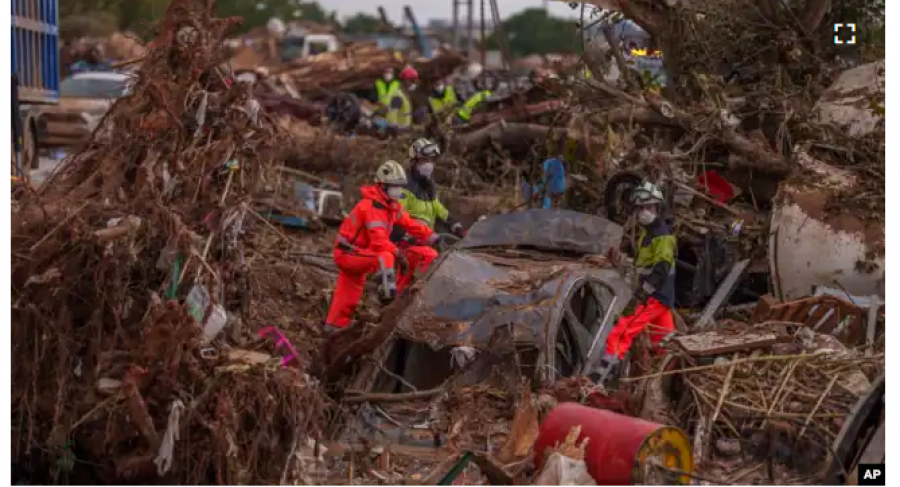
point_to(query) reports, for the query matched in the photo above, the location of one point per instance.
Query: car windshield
(86, 87)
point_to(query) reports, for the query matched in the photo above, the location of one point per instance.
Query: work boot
(386, 282)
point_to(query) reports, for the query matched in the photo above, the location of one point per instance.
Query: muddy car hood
(469, 292)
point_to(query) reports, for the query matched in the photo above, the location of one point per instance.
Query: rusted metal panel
(824, 314)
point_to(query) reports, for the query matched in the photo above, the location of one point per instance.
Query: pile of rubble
(355, 68)
(162, 291)
(133, 258)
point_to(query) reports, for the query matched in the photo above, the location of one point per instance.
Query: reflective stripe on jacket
(445, 102)
(370, 223)
(465, 112)
(655, 260)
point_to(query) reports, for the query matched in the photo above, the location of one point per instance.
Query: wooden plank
(722, 295)
(712, 343)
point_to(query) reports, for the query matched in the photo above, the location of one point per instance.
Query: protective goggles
(429, 151)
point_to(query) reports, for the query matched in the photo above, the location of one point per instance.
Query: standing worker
(654, 299)
(363, 245)
(399, 108)
(442, 100)
(384, 86)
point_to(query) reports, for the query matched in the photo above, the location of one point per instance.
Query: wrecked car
(532, 283)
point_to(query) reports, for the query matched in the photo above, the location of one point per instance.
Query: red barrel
(619, 446)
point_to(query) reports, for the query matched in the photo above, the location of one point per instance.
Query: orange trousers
(353, 267)
(419, 258)
(653, 314)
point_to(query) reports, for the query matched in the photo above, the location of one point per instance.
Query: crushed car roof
(471, 291)
(554, 230)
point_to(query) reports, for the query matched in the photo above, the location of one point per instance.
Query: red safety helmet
(409, 73)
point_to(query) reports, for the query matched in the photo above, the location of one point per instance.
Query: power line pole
(470, 26)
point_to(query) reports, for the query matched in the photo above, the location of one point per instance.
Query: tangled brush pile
(113, 380)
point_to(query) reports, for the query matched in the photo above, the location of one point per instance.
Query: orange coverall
(363, 246)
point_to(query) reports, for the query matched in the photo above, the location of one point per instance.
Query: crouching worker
(363, 246)
(654, 298)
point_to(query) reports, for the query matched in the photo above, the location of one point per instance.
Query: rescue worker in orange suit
(654, 298)
(363, 246)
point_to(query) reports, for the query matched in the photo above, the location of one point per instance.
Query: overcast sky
(438, 9)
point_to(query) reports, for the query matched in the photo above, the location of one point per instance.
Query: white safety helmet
(424, 149)
(646, 194)
(391, 173)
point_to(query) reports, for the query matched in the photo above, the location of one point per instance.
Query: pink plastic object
(280, 340)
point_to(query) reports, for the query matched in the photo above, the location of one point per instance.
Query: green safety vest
(657, 244)
(383, 88)
(428, 211)
(449, 99)
(401, 117)
(465, 112)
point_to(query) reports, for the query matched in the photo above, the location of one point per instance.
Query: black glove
(458, 231)
(402, 263)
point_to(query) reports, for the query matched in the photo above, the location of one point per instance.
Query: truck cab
(296, 46)
(35, 69)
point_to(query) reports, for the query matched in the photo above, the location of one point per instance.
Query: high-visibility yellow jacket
(420, 200)
(400, 115)
(383, 88)
(427, 210)
(465, 112)
(448, 101)
(655, 260)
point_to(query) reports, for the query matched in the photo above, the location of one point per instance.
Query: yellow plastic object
(667, 447)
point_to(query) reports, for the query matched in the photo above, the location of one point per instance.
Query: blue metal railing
(35, 49)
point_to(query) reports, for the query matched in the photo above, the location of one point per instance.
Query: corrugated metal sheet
(35, 49)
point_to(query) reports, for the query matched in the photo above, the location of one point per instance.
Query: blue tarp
(553, 178)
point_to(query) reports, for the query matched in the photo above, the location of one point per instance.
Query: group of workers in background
(391, 233)
(444, 105)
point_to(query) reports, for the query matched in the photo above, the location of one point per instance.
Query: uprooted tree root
(108, 382)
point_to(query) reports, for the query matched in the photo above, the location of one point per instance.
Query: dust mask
(389, 77)
(439, 88)
(425, 169)
(412, 87)
(646, 217)
(395, 192)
